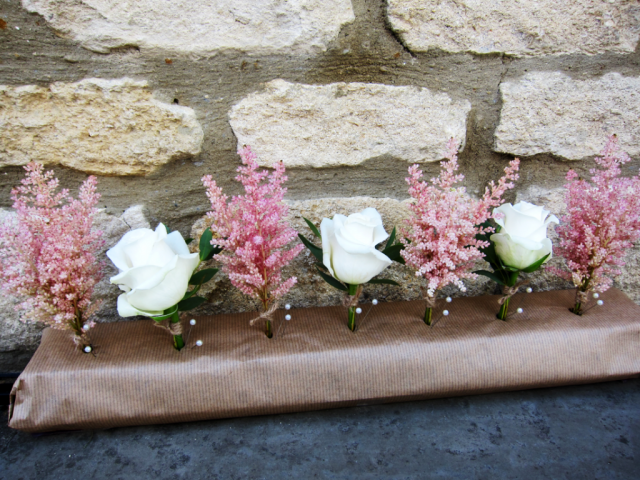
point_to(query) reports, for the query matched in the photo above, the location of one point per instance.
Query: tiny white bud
(358, 310)
(600, 302)
(192, 321)
(287, 307)
(199, 343)
(596, 295)
(448, 299)
(374, 301)
(287, 317)
(445, 312)
(87, 349)
(519, 310)
(529, 289)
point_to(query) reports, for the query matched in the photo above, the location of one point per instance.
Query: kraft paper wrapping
(136, 377)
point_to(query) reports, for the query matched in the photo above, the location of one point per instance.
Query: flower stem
(577, 308)
(427, 315)
(353, 291)
(268, 332)
(178, 342)
(504, 310)
(352, 319)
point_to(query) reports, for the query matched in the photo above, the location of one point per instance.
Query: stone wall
(348, 93)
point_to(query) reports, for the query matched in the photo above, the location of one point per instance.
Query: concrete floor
(580, 432)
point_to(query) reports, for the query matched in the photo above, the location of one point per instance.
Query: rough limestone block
(516, 27)
(198, 26)
(549, 112)
(106, 127)
(346, 123)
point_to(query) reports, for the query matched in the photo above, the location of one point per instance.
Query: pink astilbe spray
(602, 221)
(47, 252)
(254, 233)
(440, 243)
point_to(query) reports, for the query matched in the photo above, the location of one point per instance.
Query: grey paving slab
(579, 432)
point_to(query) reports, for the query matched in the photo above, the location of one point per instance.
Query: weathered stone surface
(346, 123)
(552, 113)
(199, 26)
(107, 127)
(535, 27)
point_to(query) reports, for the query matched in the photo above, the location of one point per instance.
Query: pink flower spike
(47, 253)
(602, 221)
(253, 231)
(440, 241)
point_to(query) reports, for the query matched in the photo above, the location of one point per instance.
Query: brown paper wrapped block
(137, 378)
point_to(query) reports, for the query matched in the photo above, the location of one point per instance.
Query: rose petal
(515, 222)
(513, 252)
(139, 250)
(161, 253)
(358, 229)
(379, 233)
(356, 268)
(117, 253)
(535, 211)
(327, 231)
(177, 243)
(135, 277)
(125, 309)
(170, 290)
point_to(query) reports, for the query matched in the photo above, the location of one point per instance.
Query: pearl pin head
(192, 321)
(88, 349)
(445, 312)
(287, 317)
(199, 343)
(358, 310)
(448, 299)
(287, 307)
(374, 302)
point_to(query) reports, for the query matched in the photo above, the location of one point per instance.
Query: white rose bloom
(348, 246)
(155, 269)
(522, 239)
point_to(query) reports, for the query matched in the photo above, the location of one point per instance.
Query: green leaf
(536, 265)
(313, 228)
(392, 238)
(385, 281)
(317, 251)
(191, 293)
(203, 276)
(205, 247)
(332, 281)
(490, 275)
(190, 303)
(188, 240)
(393, 253)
